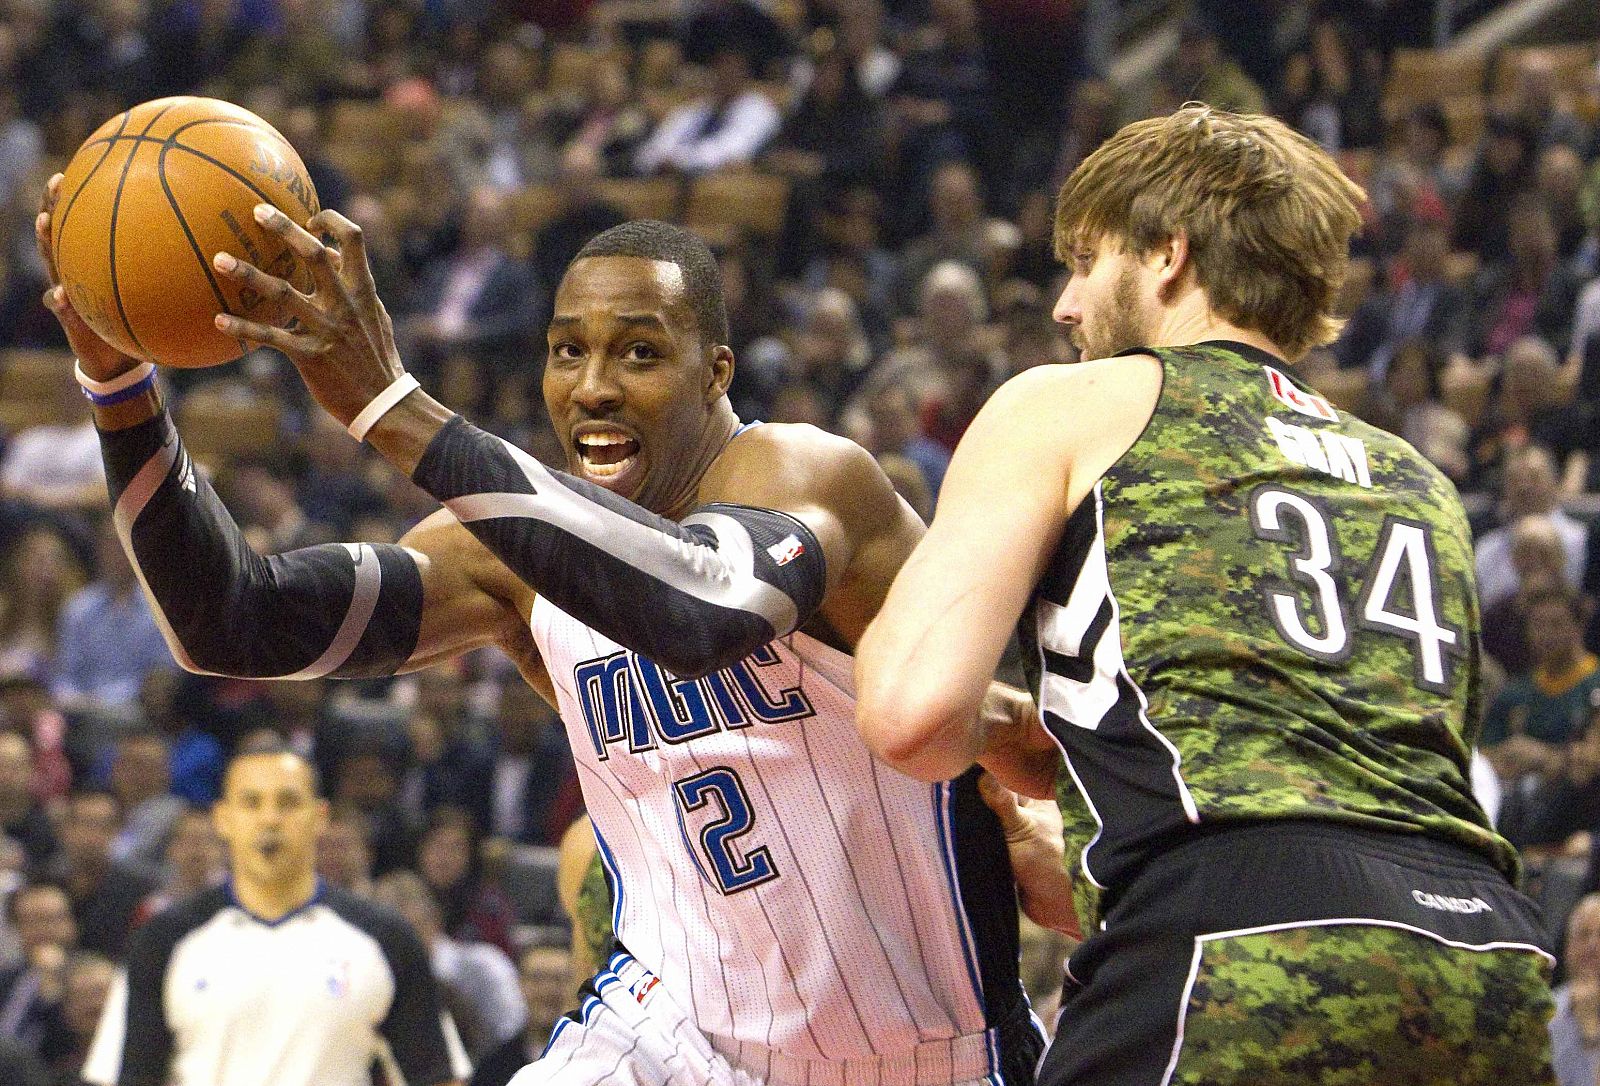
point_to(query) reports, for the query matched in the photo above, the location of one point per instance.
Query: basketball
(145, 204)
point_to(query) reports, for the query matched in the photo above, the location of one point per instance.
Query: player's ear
(321, 819)
(1170, 262)
(719, 373)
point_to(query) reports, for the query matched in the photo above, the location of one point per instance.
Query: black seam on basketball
(116, 205)
(265, 197)
(140, 137)
(61, 220)
(194, 245)
(172, 137)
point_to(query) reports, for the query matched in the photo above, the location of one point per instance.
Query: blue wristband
(128, 393)
(126, 386)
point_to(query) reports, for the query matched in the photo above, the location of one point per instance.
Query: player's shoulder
(775, 456)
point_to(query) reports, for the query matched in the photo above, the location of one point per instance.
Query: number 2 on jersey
(729, 870)
(1404, 551)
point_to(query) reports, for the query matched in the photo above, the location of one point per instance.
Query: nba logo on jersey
(1304, 402)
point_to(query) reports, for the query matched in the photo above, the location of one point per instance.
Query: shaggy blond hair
(1267, 213)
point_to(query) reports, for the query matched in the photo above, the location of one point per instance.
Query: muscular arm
(781, 518)
(344, 610)
(924, 666)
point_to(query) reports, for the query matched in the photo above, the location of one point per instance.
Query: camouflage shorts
(1358, 1006)
(1221, 971)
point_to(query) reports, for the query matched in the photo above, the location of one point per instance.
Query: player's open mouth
(606, 455)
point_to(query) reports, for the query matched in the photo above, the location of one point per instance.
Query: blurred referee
(272, 979)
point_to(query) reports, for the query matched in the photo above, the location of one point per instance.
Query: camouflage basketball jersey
(1264, 610)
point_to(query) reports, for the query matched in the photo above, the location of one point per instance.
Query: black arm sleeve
(147, 1043)
(348, 610)
(693, 597)
(414, 1026)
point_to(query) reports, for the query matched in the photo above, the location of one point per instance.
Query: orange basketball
(146, 203)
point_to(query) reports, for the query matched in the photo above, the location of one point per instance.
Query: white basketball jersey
(789, 891)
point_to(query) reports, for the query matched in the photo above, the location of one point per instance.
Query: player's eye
(642, 352)
(566, 352)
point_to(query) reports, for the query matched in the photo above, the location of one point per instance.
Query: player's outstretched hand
(339, 336)
(99, 359)
(1036, 842)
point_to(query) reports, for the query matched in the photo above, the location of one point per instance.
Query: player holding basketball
(791, 910)
(1251, 626)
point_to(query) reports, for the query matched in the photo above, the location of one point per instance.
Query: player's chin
(624, 478)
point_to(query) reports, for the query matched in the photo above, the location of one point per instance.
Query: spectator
(1200, 71)
(535, 785)
(1502, 171)
(584, 213)
(1532, 719)
(1538, 562)
(479, 298)
(478, 981)
(1534, 101)
(195, 765)
(334, 489)
(1330, 91)
(543, 975)
(31, 990)
(22, 816)
(950, 331)
(831, 351)
(1575, 1029)
(194, 861)
(1559, 175)
(1417, 169)
(344, 852)
(897, 428)
(834, 135)
(141, 777)
(108, 638)
(40, 573)
(26, 709)
(1533, 293)
(86, 987)
(1424, 304)
(726, 127)
(941, 108)
(106, 896)
(1408, 404)
(263, 493)
(610, 125)
(1529, 490)
(365, 781)
(957, 231)
(56, 465)
(450, 861)
(518, 149)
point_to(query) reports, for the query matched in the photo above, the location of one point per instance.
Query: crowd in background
(902, 271)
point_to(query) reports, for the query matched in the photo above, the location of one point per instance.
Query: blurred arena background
(877, 178)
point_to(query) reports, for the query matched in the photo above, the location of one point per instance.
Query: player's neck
(275, 900)
(719, 430)
(1191, 320)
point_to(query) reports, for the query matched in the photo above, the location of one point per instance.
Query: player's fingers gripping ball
(146, 203)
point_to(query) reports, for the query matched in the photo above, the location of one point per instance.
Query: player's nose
(1068, 308)
(596, 388)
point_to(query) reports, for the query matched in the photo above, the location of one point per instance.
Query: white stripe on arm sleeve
(693, 597)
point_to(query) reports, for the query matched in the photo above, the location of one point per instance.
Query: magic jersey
(788, 891)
